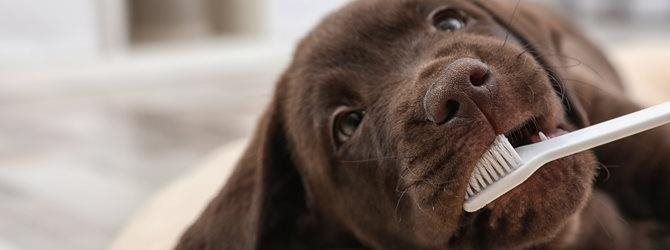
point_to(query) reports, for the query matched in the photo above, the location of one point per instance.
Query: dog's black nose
(444, 97)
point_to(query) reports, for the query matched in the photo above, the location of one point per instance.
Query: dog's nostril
(446, 112)
(479, 76)
(451, 110)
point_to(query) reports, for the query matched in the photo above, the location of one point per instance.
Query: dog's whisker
(525, 50)
(509, 23)
(559, 87)
(397, 205)
(604, 167)
(532, 93)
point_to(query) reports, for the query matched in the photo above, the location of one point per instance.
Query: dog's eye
(448, 20)
(346, 124)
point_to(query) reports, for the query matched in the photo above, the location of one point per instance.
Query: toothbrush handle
(602, 133)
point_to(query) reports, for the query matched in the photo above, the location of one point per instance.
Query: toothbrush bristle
(500, 160)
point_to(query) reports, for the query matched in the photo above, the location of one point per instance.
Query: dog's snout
(444, 97)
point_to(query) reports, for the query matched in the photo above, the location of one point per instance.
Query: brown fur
(399, 182)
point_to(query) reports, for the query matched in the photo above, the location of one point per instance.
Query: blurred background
(102, 102)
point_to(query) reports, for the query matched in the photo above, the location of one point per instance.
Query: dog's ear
(262, 202)
(540, 34)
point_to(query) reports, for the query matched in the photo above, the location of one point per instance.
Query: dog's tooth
(543, 137)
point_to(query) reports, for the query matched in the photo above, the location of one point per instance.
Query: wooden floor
(80, 152)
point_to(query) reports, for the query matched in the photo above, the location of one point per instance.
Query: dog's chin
(542, 207)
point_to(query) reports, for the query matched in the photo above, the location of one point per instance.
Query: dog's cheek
(435, 206)
(432, 224)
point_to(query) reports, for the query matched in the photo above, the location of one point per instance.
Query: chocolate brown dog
(374, 130)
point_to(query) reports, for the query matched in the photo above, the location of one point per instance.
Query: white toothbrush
(503, 167)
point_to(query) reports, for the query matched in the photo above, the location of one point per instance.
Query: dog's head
(376, 126)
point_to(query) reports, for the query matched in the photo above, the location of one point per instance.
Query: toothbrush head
(497, 162)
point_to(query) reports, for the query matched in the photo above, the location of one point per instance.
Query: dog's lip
(528, 131)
